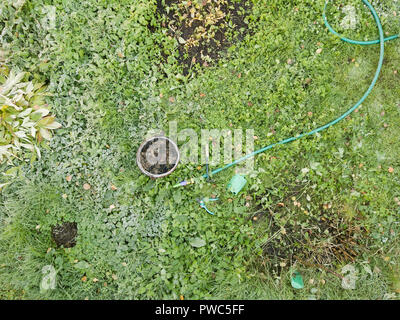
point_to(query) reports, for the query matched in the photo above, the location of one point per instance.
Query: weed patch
(310, 241)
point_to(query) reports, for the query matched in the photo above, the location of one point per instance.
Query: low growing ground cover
(117, 69)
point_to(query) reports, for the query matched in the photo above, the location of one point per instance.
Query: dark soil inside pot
(158, 156)
(65, 234)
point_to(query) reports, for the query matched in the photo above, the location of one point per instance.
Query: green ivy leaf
(197, 242)
(82, 265)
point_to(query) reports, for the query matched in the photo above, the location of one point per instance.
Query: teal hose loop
(380, 41)
(362, 43)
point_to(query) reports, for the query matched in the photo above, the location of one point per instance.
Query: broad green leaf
(82, 265)
(53, 125)
(45, 133)
(197, 242)
(24, 113)
(38, 114)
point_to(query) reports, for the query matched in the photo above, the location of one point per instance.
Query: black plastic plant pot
(158, 157)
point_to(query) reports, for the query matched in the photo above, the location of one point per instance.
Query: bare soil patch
(204, 29)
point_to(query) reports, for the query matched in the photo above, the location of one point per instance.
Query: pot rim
(152, 175)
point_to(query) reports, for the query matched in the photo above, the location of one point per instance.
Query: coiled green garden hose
(381, 41)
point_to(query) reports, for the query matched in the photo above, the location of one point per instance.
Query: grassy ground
(114, 73)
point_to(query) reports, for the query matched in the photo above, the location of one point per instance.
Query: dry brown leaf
(86, 186)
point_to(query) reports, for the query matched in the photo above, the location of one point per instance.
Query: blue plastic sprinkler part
(203, 201)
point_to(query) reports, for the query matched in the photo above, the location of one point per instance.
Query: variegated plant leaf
(26, 120)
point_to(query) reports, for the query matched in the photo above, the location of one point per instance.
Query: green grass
(107, 101)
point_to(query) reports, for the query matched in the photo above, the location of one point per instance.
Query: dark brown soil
(209, 48)
(158, 156)
(65, 234)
